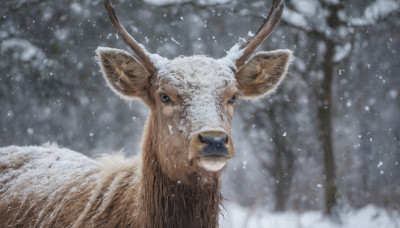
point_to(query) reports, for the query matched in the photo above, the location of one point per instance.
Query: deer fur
(111, 192)
(175, 180)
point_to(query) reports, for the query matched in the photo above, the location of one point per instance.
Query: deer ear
(263, 73)
(124, 73)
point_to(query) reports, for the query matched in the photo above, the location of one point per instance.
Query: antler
(269, 24)
(141, 54)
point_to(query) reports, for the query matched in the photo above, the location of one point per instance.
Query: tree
(333, 29)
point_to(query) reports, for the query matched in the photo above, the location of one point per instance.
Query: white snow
(393, 93)
(76, 8)
(380, 8)
(212, 2)
(47, 165)
(367, 217)
(294, 18)
(306, 7)
(200, 2)
(29, 52)
(375, 11)
(342, 52)
(173, 40)
(158, 60)
(250, 33)
(165, 2)
(231, 56)
(62, 34)
(170, 129)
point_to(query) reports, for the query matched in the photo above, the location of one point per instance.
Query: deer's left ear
(263, 73)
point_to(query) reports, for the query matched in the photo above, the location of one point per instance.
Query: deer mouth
(212, 163)
(211, 150)
(213, 156)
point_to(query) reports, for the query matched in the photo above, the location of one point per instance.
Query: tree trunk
(283, 176)
(325, 127)
(283, 167)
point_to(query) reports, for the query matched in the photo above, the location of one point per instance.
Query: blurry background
(327, 140)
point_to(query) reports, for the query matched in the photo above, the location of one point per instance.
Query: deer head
(191, 99)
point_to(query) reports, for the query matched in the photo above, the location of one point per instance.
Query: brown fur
(193, 202)
(120, 193)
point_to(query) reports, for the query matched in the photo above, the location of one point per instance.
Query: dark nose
(215, 145)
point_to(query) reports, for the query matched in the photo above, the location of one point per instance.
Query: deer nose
(215, 143)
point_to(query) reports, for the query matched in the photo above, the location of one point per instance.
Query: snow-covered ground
(367, 217)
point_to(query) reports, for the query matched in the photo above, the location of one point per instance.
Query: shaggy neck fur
(167, 203)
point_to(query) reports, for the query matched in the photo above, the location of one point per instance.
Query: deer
(175, 180)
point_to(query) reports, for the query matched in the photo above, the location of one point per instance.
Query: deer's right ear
(124, 73)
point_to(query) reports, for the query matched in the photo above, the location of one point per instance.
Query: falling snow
(52, 90)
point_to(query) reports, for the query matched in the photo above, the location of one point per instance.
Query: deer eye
(232, 100)
(165, 98)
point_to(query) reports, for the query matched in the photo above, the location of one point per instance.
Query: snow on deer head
(191, 99)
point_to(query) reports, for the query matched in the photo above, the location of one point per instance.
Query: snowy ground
(367, 217)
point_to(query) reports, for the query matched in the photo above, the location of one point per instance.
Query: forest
(327, 140)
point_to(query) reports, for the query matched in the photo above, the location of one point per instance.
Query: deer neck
(169, 203)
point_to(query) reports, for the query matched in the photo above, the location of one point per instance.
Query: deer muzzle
(211, 150)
